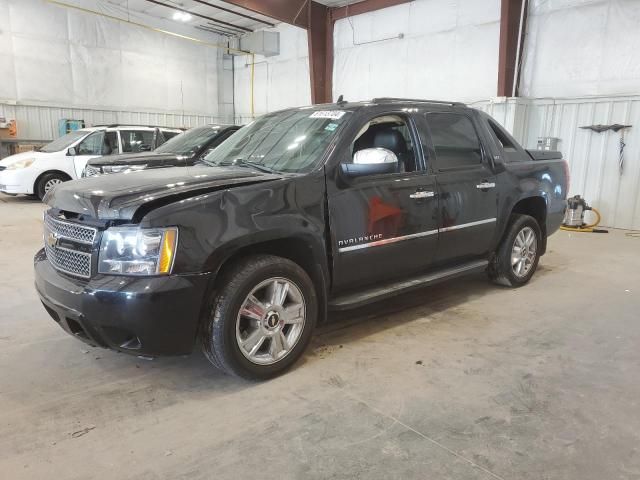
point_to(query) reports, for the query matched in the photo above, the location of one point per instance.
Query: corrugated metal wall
(41, 122)
(592, 157)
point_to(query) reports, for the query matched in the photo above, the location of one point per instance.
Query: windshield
(289, 141)
(62, 143)
(189, 142)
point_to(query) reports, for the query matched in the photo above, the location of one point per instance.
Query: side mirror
(371, 161)
(72, 152)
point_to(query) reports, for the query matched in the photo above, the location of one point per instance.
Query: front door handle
(422, 194)
(485, 185)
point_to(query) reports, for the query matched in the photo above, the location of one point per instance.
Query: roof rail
(114, 125)
(438, 102)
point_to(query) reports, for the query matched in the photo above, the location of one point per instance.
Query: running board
(357, 299)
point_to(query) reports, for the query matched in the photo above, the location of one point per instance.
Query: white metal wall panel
(581, 47)
(592, 157)
(41, 122)
(58, 56)
(440, 49)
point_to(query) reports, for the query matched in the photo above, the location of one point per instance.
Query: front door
(90, 147)
(384, 226)
(466, 188)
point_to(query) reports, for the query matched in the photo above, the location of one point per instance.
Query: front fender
(216, 225)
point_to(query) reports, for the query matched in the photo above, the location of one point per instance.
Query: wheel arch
(48, 172)
(536, 207)
(304, 250)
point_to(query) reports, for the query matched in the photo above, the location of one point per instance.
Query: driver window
(390, 132)
(92, 145)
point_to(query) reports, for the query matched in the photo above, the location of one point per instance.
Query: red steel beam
(319, 30)
(510, 36)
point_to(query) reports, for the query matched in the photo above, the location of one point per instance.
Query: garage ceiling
(338, 3)
(224, 17)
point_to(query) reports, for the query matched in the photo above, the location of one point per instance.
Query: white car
(37, 172)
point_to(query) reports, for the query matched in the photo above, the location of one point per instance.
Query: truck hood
(119, 196)
(134, 159)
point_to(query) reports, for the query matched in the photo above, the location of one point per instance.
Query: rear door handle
(485, 185)
(422, 194)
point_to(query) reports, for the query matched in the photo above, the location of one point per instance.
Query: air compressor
(574, 217)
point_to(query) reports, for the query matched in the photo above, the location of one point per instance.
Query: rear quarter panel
(521, 180)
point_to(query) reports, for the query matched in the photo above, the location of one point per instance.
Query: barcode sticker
(331, 114)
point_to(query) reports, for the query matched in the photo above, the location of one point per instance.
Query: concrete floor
(464, 380)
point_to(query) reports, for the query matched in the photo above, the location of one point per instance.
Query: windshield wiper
(240, 162)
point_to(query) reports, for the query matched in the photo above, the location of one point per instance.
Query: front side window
(392, 133)
(92, 145)
(455, 140)
(291, 141)
(134, 141)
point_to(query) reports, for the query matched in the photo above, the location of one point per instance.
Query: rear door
(466, 187)
(383, 226)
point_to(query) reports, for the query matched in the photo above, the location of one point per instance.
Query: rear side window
(136, 140)
(455, 140)
(503, 138)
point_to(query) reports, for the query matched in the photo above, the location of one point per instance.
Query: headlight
(21, 164)
(122, 168)
(138, 251)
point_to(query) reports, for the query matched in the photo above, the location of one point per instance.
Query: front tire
(261, 317)
(517, 256)
(48, 182)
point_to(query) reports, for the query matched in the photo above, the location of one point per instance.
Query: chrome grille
(71, 231)
(66, 258)
(90, 171)
(69, 261)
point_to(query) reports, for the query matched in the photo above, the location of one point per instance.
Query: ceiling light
(182, 16)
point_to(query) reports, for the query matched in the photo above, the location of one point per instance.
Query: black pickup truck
(301, 211)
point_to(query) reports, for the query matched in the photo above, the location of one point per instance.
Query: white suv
(35, 173)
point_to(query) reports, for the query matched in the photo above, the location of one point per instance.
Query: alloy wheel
(524, 251)
(51, 184)
(270, 321)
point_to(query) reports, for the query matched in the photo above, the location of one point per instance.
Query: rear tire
(261, 318)
(518, 254)
(48, 182)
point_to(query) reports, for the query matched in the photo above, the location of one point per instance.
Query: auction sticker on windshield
(331, 114)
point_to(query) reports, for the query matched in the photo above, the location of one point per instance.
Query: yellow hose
(584, 228)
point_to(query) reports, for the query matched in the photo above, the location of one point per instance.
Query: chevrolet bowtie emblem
(52, 240)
